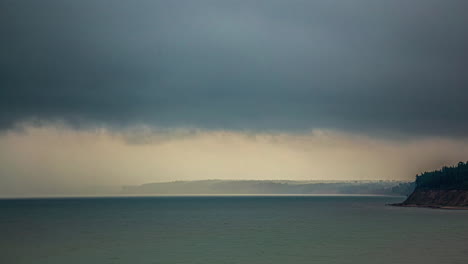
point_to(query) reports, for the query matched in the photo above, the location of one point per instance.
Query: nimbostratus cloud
(366, 66)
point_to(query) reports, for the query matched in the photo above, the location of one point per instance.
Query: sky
(129, 92)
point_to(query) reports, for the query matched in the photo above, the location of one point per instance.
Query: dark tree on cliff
(454, 177)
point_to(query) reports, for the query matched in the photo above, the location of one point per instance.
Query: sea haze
(227, 229)
(271, 187)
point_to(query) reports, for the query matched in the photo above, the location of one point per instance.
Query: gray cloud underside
(369, 66)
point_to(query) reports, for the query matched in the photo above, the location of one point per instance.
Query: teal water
(293, 229)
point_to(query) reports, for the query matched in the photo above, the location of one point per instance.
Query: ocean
(229, 229)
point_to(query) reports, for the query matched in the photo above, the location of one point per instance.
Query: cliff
(444, 188)
(437, 198)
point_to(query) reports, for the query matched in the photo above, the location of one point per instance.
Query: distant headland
(446, 188)
(396, 188)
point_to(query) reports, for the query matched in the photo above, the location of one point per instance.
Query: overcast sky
(388, 71)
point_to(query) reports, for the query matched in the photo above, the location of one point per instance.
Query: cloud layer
(393, 67)
(266, 89)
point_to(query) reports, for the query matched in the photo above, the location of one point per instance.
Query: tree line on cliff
(453, 177)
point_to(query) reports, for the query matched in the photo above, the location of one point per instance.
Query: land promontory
(446, 188)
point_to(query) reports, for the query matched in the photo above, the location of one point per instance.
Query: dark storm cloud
(368, 66)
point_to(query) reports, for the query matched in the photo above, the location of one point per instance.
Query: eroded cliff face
(438, 198)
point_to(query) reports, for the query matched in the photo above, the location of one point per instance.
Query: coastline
(430, 206)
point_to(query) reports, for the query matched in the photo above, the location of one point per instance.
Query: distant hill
(444, 188)
(272, 187)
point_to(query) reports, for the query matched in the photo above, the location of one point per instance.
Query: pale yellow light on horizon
(52, 159)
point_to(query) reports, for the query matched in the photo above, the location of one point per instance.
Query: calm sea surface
(246, 229)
